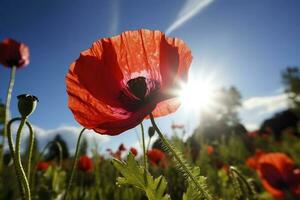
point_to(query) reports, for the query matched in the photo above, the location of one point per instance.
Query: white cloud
(68, 133)
(256, 109)
(266, 104)
(189, 10)
(251, 126)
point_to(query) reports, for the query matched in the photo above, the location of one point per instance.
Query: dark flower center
(138, 92)
(138, 87)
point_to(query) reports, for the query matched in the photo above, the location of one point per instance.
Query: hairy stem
(177, 157)
(144, 147)
(31, 144)
(19, 162)
(6, 114)
(12, 153)
(74, 163)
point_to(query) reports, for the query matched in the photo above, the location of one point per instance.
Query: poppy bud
(151, 131)
(27, 104)
(134, 151)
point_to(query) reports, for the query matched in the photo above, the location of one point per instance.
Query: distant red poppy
(13, 53)
(119, 81)
(42, 166)
(279, 175)
(253, 134)
(225, 167)
(156, 156)
(252, 162)
(210, 149)
(134, 151)
(85, 164)
(122, 147)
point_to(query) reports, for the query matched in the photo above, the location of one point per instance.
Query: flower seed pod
(151, 131)
(27, 104)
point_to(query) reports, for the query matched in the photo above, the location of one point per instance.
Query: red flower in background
(252, 162)
(42, 166)
(156, 157)
(119, 81)
(133, 151)
(122, 147)
(13, 53)
(210, 149)
(85, 164)
(278, 175)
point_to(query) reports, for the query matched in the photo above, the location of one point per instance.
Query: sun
(198, 94)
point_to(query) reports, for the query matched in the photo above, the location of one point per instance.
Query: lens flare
(198, 94)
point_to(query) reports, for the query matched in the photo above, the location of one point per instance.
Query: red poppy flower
(119, 81)
(156, 156)
(122, 147)
(85, 164)
(13, 53)
(252, 162)
(278, 175)
(42, 166)
(134, 151)
(210, 150)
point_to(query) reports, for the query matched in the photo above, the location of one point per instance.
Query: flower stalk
(74, 163)
(18, 163)
(7, 106)
(31, 144)
(144, 146)
(176, 156)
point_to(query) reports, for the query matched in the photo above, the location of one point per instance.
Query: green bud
(27, 104)
(151, 131)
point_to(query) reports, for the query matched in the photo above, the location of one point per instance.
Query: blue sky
(243, 43)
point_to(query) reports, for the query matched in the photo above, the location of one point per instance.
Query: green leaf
(192, 192)
(137, 176)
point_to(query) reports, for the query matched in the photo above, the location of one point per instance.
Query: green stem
(144, 147)
(19, 162)
(31, 140)
(12, 153)
(60, 154)
(177, 157)
(74, 164)
(6, 114)
(148, 145)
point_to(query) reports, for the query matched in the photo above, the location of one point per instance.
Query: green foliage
(243, 188)
(137, 176)
(191, 174)
(54, 150)
(51, 183)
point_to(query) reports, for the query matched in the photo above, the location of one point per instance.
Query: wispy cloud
(114, 17)
(189, 10)
(266, 104)
(256, 109)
